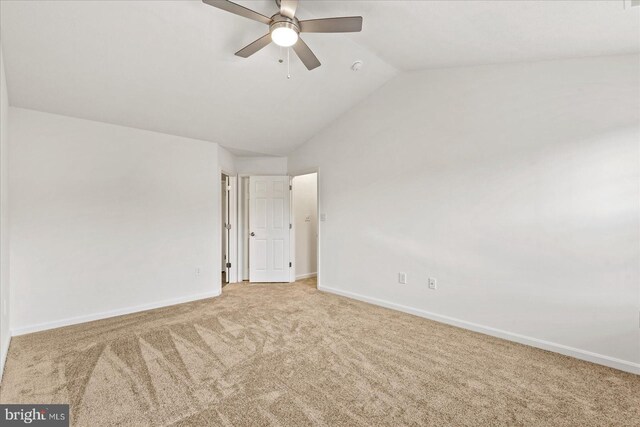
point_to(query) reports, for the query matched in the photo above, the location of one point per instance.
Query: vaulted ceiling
(168, 66)
(413, 35)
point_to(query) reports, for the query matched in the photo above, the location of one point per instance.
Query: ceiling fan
(285, 28)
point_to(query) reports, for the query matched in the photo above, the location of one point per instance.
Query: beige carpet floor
(287, 354)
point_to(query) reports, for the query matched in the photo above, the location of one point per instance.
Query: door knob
(253, 234)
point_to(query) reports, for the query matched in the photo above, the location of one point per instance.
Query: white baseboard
(107, 314)
(4, 351)
(306, 275)
(600, 359)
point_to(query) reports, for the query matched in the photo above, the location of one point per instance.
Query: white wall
(261, 165)
(516, 186)
(107, 219)
(305, 205)
(226, 161)
(5, 335)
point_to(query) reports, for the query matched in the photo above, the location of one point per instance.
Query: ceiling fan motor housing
(285, 28)
(279, 21)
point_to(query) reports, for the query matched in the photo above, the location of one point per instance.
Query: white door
(269, 228)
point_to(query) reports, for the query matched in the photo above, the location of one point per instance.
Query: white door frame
(226, 219)
(243, 226)
(292, 175)
(232, 256)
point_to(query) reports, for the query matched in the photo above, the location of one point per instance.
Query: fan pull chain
(288, 65)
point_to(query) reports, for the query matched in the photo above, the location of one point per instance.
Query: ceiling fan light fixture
(284, 35)
(285, 27)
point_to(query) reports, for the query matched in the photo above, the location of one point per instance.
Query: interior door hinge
(290, 226)
(228, 265)
(290, 187)
(290, 265)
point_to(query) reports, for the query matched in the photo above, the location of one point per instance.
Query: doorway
(225, 190)
(292, 205)
(305, 225)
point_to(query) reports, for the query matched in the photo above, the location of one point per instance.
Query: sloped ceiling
(414, 35)
(168, 66)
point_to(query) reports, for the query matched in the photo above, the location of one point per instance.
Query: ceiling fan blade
(346, 24)
(288, 8)
(238, 10)
(306, 55)
(252, 48)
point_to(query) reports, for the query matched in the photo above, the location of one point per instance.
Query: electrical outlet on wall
(433, 284)
(402, 278)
